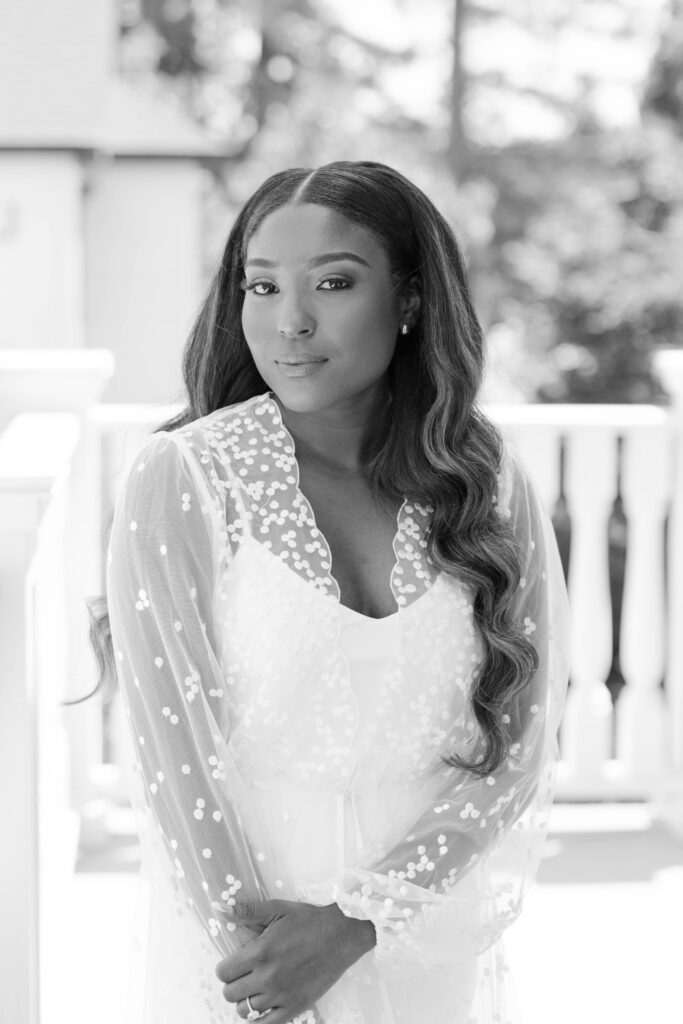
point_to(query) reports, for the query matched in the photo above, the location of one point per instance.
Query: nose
(294, 320)
(291, 329)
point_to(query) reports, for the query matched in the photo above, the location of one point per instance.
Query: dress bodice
(368, 646)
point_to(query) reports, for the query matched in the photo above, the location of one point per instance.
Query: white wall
(54, 59)
(41, 250)
(143, 271)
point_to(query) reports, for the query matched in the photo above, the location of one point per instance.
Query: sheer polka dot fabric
(253, 771)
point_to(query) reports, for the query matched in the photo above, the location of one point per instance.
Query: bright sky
(589, 47)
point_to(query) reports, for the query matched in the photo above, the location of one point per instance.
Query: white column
(36, 856)
(590, 487)
(19, 521)
(646, 483)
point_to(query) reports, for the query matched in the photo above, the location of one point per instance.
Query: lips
(300, 364)
(297, 358)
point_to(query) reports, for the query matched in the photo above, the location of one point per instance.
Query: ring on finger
(252, 1013)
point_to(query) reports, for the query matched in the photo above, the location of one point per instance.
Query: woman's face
(320, 314)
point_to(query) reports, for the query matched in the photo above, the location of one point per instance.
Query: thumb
(251, 911)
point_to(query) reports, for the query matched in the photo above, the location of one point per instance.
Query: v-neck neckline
(259, 453)
(358, 618)
(351, 616)
(311, 513)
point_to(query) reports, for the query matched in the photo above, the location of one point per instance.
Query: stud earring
(405, 329)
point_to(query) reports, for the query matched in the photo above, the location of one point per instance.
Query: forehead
(295, 234)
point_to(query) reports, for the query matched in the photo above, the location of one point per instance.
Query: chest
(360, 531)
(307, 698)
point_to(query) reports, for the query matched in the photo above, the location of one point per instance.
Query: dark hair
(441, 450)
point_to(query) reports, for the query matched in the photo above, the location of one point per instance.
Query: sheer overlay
(259, 770)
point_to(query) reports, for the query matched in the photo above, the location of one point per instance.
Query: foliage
(571, 216)
(587, 263)
(664, 91)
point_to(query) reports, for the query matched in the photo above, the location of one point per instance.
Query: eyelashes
(341, 283)
(336, 282)
(256, 284)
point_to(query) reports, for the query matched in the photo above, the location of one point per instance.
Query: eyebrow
(317, 261)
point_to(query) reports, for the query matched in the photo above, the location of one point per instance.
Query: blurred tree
(521, 121)
(664, 90)
(581, 278)
(240, 66)
(593, 275)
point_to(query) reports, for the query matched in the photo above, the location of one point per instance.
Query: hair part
(441, 450)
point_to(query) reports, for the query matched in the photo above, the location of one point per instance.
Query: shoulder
(230, 426)
(167, 481)
(158, 463)
(227, 418)
(210, 436)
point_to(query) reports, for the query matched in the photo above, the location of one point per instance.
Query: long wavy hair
(438, 447)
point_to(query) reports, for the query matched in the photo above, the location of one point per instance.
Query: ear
(410, 302)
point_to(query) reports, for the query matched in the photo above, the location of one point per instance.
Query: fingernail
(220, 908)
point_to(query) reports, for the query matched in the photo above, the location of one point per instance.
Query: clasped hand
(300, 950)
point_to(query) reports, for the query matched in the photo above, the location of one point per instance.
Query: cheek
(257, 329)
(250, 320)
(372, 333)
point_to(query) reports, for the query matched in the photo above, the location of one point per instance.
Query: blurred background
(550, 134)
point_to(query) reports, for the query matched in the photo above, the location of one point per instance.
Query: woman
(340, 628)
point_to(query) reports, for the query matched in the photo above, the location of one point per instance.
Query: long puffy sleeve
(458, 866)
(165, 552)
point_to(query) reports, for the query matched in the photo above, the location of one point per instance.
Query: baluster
(539, 448)
(640, 708)
(587, 726)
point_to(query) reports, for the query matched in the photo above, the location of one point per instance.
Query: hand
(299, 953)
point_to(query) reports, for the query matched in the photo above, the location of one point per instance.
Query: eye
(334, 284)
(259, 287)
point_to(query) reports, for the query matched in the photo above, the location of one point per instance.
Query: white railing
(588, 455)
(591, 439)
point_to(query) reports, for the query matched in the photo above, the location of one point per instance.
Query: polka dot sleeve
(160, 580)
(459, 860)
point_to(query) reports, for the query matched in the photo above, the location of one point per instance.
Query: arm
(456, 880)
(160, 575)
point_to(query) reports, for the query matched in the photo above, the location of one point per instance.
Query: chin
(314, 394)
(301, 399)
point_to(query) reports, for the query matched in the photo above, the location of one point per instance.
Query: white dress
(285, 747)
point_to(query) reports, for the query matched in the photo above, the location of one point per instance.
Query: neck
(333, 439)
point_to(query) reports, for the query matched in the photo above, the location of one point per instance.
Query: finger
(243, 961)
(258, 1003)
(276, 1014)
(254, 912)
(237, 966)
(238, 990)
(281, 1015)
(243, 921)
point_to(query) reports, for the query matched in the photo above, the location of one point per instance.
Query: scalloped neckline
(309, 508)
